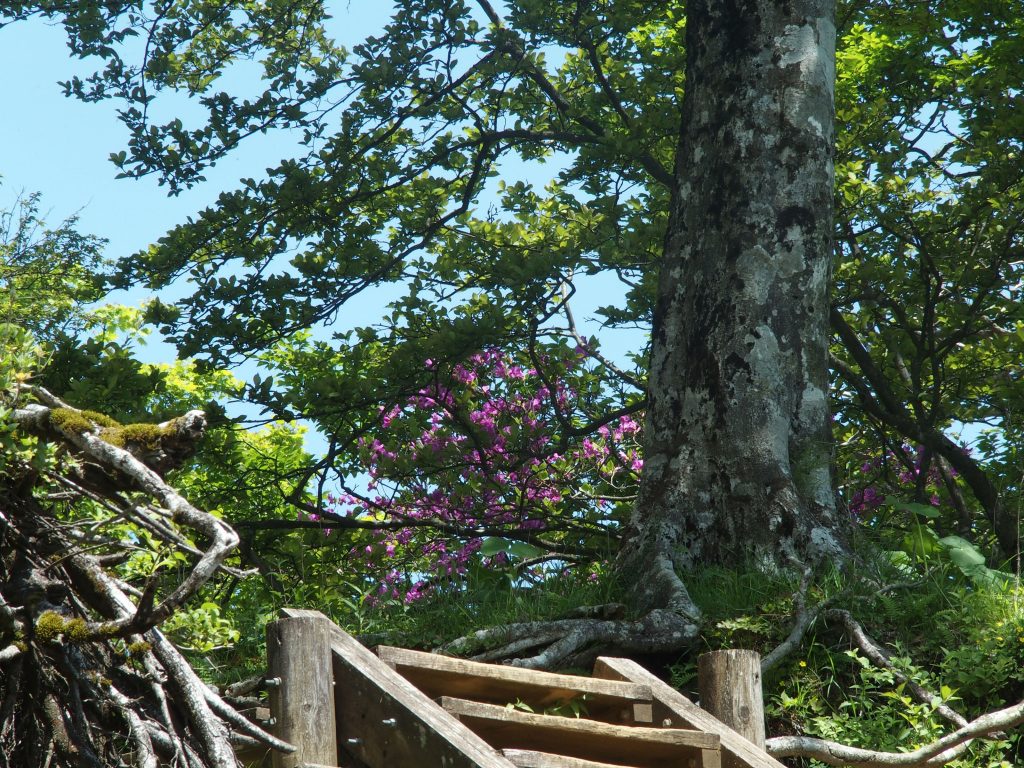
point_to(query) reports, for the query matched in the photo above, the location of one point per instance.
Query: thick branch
(937, 753)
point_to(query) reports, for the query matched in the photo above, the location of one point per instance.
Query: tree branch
(937, 753)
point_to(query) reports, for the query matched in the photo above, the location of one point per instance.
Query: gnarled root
(576, 641)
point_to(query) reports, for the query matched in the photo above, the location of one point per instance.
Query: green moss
(77, 630)
(100, 680)
(68, 420)
(71, 420)
(146, 436)
(50, 626)
(100, 418)
(139, 649)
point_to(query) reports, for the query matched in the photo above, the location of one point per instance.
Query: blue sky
(60, 147)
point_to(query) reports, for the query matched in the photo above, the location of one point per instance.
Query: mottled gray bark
(738, 436)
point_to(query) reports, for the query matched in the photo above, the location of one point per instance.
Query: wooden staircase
(407, 709)
(528, 717)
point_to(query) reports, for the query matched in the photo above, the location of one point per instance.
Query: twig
(880, 658)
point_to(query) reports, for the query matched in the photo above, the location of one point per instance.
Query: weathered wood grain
(525, 758)
(607, 700)
(386, 722)
(509, 728)
(302, 703)
(730, 690)
(737, 752)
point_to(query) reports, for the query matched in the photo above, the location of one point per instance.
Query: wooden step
(525, 758)
(508, 728)
(610, 701)
(670, 704)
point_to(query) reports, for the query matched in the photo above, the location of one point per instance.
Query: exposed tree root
(806, 616)
(576, 641)
(880, 658)
(936, 754)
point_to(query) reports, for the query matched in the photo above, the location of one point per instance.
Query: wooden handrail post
(301, 689)
(730, 689)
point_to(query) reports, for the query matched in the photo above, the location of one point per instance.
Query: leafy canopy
(413, 187)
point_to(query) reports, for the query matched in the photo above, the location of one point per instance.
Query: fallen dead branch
(937, 753)
(86, 676)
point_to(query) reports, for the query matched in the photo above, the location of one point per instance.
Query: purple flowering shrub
(493, 463)
(899, 471)
(904, 486)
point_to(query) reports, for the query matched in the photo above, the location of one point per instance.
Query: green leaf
(971, 562)
(925, 510)
(962, 552)
(493, 545)
(524, 550)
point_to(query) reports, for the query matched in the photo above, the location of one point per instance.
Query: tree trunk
(738, 452)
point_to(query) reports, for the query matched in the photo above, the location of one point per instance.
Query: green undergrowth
(486, 599)
(961, 639)
(483, 599)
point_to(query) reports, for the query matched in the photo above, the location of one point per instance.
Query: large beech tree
(718, 225)
(738, 439)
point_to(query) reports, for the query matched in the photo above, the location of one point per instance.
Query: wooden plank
(711, 758)
(737, 752)
(302, 702)
(730, 689)
(508, 728)
(525, 758)
(608, 700)
(385, 722)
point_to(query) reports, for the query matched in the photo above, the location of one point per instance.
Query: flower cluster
(892, 473)
(475, 468)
